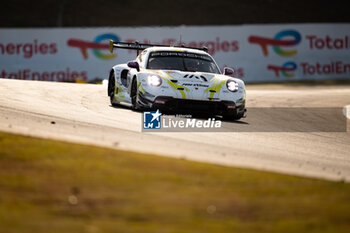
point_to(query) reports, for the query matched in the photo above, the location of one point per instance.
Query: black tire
(133, 95)
(233, 116)
(111, 88)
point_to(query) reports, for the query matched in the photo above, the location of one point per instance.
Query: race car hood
(206, 79)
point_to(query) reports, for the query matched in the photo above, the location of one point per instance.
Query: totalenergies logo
(96, 46)
(277, 42)
(287, 69)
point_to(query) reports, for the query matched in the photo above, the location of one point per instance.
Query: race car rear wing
(138, 46)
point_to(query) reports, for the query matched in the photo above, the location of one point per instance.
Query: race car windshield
(182, 61)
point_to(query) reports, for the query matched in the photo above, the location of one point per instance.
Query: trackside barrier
(258, 53)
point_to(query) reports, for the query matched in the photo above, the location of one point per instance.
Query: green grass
(51, 186)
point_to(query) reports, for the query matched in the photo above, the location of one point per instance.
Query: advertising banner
(258, 53)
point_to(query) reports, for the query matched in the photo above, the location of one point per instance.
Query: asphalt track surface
(82, 113)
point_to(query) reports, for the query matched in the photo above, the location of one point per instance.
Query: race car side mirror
(134, 65)
(228, 71)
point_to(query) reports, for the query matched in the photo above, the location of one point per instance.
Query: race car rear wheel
(111, 88)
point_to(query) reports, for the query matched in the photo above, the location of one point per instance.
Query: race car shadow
(199, 116)
(120, 106)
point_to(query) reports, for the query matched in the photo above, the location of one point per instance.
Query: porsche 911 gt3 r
(175, 79)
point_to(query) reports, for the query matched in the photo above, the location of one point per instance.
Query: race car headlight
(154, 80)
(232, 85)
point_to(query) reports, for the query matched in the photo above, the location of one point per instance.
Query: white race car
(176, 79)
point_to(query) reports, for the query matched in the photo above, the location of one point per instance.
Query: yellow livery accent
(175, 86)
(120, 95)
(217, 85)
(140, 87)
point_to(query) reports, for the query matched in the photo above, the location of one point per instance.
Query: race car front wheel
(133, 95)
(235, 115)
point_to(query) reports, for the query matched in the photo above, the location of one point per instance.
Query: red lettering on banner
(60, 76)
(53, 48)
(333, 68)
(26, 74)
(225, 46)
(328, 42)
(338, 44)
(213, 46)
(44, 75)
(3, 74)
(234, 46)
(10, 49)
(319, 43)
(18, 47)
(28, 50)
(239, 73)
(192, 44)
(43, 48)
